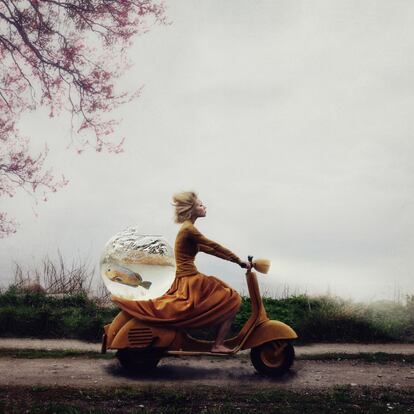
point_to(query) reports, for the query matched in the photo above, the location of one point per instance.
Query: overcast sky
(293, 120)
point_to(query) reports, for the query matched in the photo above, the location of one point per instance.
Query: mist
(293, 122)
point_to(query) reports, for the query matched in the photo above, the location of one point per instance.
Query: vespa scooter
(140, 346)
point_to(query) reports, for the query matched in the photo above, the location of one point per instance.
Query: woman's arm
(211, 247)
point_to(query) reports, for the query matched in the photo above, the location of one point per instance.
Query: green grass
(370, 357)
(332, 319)
(204, 399)
(53, 353)
(315, 319)
(41, 316)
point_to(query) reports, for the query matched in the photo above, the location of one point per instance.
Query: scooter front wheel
(138, 361)
(273, 358)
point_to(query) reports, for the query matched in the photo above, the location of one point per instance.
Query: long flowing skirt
(191, 302)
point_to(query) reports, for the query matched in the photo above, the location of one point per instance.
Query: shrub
(40, 315)
(322, 318)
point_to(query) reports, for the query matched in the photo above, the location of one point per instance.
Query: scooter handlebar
(250, 259)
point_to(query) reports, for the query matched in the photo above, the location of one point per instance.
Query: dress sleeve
(211, 247)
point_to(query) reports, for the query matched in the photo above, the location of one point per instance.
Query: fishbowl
(137, 266)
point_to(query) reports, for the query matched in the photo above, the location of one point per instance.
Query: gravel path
(228, 371)
(84, 372)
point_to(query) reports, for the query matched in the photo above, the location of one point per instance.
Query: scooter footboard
(269, 331)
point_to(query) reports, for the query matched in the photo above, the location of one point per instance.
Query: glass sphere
(137, 266)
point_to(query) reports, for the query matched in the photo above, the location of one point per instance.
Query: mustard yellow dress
(194, 300)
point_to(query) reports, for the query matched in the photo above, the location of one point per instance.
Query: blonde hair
(184, 203)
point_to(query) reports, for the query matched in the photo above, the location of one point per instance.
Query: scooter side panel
(269, 331)
(135, 334)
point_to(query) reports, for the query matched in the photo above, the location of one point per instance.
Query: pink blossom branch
(46, 59)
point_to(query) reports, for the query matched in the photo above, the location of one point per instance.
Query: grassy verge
(315, 319)
(54, 353)
(41, 316)
(374, 357)
(371, 357)
(332, 319)
(203, 399)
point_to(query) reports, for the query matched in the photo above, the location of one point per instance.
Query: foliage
(38, 315)
(204, 399)
(331, 319)
(62, 55)
(66, 306)
(44, 316)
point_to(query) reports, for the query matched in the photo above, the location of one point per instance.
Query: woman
(194, 300)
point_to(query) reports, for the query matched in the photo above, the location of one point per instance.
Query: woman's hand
(246, 265)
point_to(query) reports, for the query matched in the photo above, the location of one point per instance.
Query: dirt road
(83, 372)
(234, 370)
(34, 382)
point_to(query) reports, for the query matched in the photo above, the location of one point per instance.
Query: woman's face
(200, 209)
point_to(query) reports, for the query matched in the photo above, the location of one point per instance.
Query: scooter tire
(138, 361)
(266, 363)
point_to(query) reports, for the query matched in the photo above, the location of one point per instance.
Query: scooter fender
(269, 331)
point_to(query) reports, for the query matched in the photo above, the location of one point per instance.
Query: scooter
(140, 346)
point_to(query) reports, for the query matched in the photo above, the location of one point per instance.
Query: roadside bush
(315, 319)
(332, 319)
(40, 315)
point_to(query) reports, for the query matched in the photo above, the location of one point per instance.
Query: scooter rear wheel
(273, 358)
(138, 361)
